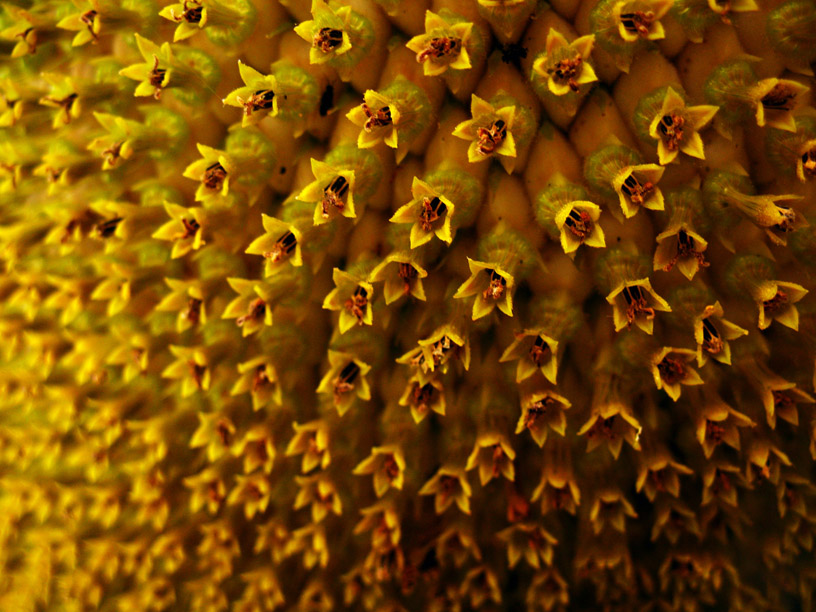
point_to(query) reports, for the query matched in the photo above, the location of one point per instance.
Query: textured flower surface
(276, 333)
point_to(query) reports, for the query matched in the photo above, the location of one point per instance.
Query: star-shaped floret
(387, 466)
(184, 230)
(640, 19)
(578, 223)
(63, 96)
(332, 191)
(564, 64)
(212, 171)
(492, 286)
(280, 243)
(379, 117)
(429, 211)
(192, 367)
(713, 332)
(155, 73)
(493, 455)
(637, 188)
(775, 100)
(449, 485)
(86, 23)
(776, 300)
(251, 309)
(118, 143)
(671, 368)
(257, 94)
(402, 275)
(190, 15)
(676, 127)
(634, 303)
(680, 246)
(346, 374)
(444, 45)
(489, 132)
(326, 32)
(534, 350)
(352, 297)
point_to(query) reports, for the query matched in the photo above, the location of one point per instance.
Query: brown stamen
(636, 191)
(671, 130)
(538, 350)
(714, 432)
(328, 39)
(490, 138)
(29, 35)
(788, 219)
(498, 457)
(214, 176)
(497, 286)
(422, 396)
(390, 468)
(809, 162)
(432, 210)
(283, 247)
(193, 312)
(192, 12)
(782, 400)
(106, 229)
(344, 382)
(112, 153)
(440, 350)
(779, 98)
(197, 372)
(604, 428)
(579, 223)
(636, 304)
(537, 410)
(440, 47)
(263, 99)
(333, 195)
(222, 429)
(255, 312)
(638, 22)
(66, 103)
(567, 71)
(406, 273)
(191, 226)
(672, 370)
(357, 303)
(378, 118)
(776, 303)
(260, 379)
(447, 486)
(712, 343)
(88, 19)
(157, 77)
